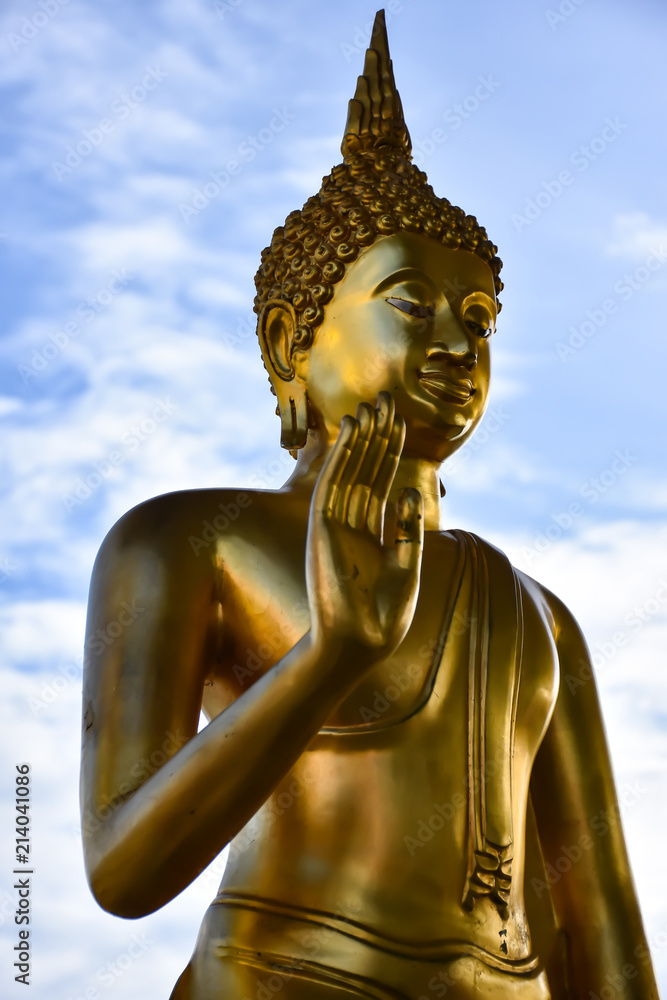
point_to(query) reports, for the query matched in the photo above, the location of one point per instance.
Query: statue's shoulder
(167, 522)
(552, 609)
(555, 611)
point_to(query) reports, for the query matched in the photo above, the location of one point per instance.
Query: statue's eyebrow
(405, 274)
(483, 299)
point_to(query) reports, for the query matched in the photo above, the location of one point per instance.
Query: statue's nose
(454, 349)
(452, 342)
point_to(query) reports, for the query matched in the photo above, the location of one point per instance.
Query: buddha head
(376, 284)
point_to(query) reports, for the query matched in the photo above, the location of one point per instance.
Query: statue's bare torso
(366, 835)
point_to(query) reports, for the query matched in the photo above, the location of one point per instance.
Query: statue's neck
(418, 473)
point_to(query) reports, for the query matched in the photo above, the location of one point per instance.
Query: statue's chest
(265, 611)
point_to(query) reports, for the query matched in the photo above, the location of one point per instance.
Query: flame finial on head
(375, 114)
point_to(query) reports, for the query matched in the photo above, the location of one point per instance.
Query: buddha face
(414, 318)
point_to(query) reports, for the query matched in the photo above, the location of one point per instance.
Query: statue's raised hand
(362, 586)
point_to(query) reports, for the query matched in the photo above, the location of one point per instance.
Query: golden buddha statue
(407, 791)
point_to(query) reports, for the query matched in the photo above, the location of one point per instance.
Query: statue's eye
(478, 320)
(412, 308)
(479, 329)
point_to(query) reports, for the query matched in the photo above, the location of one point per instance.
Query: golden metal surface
(408, 790)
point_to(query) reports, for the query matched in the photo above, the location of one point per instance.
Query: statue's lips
(445, 387)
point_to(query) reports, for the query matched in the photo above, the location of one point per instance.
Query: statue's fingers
(409, 540)
(384, 479)
(327, 486)
(366, 423)
(360, 493)
(386, 412)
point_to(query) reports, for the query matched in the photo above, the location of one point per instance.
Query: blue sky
(129, 359)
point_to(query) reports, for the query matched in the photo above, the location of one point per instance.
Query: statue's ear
(277, 328)
(277, 325)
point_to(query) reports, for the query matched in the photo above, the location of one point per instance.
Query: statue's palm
(362, 588)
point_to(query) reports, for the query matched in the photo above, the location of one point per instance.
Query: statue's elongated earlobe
(293, 416)
(279, 337)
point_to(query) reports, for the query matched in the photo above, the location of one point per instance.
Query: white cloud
(637, 235)
(41, 633)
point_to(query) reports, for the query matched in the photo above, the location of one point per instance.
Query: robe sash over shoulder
(494, 673)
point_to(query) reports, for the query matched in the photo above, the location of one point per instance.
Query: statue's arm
(152, 824)
(581, 835)
(159, 799)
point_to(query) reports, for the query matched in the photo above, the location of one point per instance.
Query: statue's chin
(438, 442)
